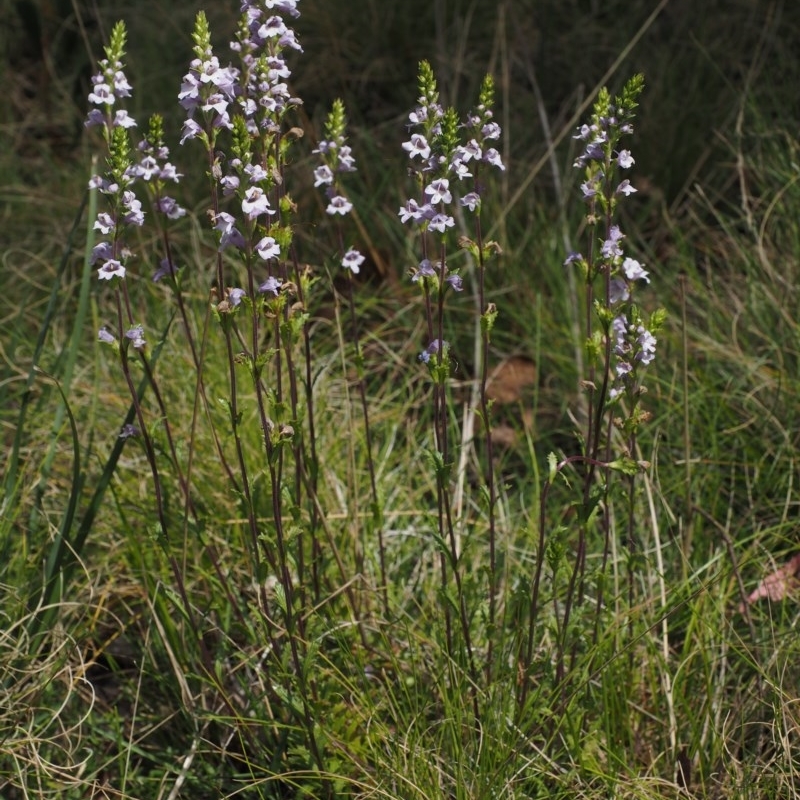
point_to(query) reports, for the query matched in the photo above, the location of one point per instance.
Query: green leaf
(552, 464)
(625, 465)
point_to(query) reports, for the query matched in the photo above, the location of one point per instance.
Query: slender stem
(362, 391)
(311, 463)
(687, 428)
(526, 659)
(487, 426)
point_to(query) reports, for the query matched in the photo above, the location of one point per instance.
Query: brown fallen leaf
(779, 584)
(509, 379)
(506, 435)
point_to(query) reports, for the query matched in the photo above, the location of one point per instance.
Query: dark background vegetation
(700, 60)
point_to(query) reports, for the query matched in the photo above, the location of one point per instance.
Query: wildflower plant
(445, 153)
(336, 161)
(113, 255)
(620, 344)
(255, 283)
(240, 117)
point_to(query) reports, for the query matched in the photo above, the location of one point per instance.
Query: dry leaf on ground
(780, 583)
(509, 379)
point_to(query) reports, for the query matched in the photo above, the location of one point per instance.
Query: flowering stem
(337, 159)
(620, 345)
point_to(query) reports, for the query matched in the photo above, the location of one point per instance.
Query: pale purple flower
(491, 156)
(121, 86)
(418, 116)
(101, 94)
(170, 208)
(287, 6)
(432, 349)
(136, 335)
(325, 147)
(111, 269)
(133, 209)
(271, 284)
(249, 108)
(589, 188)
(441, 222)
(102, 251)
(619, 329)
(417, 146)
(268, 248)
(411, 210)
(169, 173)
(626, 188)
(94, 117)
(272, 28)
(352, 260)
(610, 247)
(190, 130)
(471, 200)
(455, 281)
(226, 80)
(460, 169)
(165, 267)
(206, 70)
(256, 203)
(593, 152)
(339, 205)
(438, 191)
(128, 431)
(323, 175)
(346, 161)
(625, 159)
(618, 292)
(235, 296)
(276, 68)
(289, 39)
(122, 119)
(189, 95)
(219, 104)
(491, 130)
(103, 185)
(634, 271)
(146, 168)
(256, 173)
(104, 223)
(104, 335)
(230, 235)
(470, 150)
(647, 345)
(229, 184)
(424, 270)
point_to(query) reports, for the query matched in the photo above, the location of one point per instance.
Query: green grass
(135, 668)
